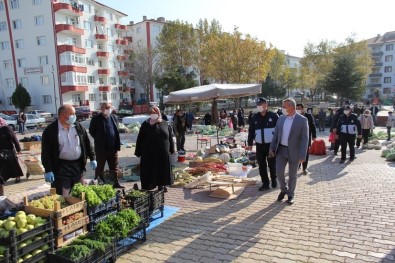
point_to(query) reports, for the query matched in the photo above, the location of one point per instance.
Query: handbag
(7, 154)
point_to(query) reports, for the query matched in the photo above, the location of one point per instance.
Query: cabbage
(390, 157)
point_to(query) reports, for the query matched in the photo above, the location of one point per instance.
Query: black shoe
(352, 158)
(164, 189)
(264, 188)
(117, 185)
(280, 196)
(274, 184)
(304, 172)
(17, 180)
(290, 200)
(160, 188)
(342, 161)
(135, 187)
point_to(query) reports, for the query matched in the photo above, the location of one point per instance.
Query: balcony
(123, 73)
(68, 9)
(377, 54)
(377, 85)
(103, 71)
(378, 64)
(105, 88)
(66, 68)
(130, 39)
(69, 29)
(100, 19)
(121, 42)
(120, 27)
(120, 57)
(375, 75)
(101, 37)
(74, 88)
(127, 89)
(102, 54)
(70, 48)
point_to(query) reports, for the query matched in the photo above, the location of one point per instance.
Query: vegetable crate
(114, 203)
(137, 235)
(156, 202)
(6, 257)
(31, 246)
(95, 257)
(98, 217)
(141, 205)
(34, 145)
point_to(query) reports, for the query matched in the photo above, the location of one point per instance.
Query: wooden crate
(59, 241)
(34, 166)
(193, 164)
(34, 145)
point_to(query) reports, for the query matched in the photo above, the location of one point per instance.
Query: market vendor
(65, 149)
(261, 131)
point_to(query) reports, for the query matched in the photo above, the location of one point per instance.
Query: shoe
(352, 158)
(264, 188)
(280, 196)
(342, 161)
(17, 180)
(135, 187)
(274, 183)
(160, 188)
(305, 172)
(117, 185)
(290, 200)
(165, 189)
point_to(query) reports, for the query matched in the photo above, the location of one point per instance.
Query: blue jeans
(21, 128)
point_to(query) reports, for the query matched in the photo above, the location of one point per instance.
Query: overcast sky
(287, 24)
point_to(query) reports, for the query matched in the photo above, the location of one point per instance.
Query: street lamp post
(54, 89)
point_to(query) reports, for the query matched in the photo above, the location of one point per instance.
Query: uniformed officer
(261, 130)
(336, 118)
(348, 127)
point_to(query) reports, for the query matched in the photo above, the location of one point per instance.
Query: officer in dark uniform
(348, 127)
(336, 118)
(261, 130)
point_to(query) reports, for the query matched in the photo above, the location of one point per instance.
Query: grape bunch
(48, 202)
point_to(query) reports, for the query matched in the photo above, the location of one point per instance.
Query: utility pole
(54, 89)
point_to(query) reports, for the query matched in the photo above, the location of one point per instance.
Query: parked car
(40, 113)
(82, 115)
(136, 118)
(32, 121)
(11, 122)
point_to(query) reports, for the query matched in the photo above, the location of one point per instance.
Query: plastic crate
(141, 205)
(137, 235)
(114, 202)
(157, 202)
(98, 217)
(6, 258)
(95, 257)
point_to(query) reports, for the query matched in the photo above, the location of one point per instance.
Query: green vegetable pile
(381, 135)
(82, 247)
(135, 194)
(388, 154)
(94, 194)
(119, 225)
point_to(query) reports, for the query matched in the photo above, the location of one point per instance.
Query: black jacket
(98, 132)
(312, 130)
(349, 125)
(50, 147)
(259, 122)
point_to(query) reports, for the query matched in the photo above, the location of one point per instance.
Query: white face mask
(285, 112)
(347, 112)
(107, 112)
(299, 111)
(259, 108)
(367, 114)
(154, 116)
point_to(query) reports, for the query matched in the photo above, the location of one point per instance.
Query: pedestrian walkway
(342, 213)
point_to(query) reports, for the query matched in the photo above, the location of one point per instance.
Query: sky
(286, 24)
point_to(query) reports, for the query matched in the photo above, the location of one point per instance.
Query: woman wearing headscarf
(9, 165)
(154, 145)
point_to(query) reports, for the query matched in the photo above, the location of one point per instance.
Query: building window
(92, 97)
(5, 45)
(375, 81)
(121, 96)
(36, 2)
(111, 64)
(109, 32)
(9, 99)
(87, 8)
(10, 83)
(3, 26)
(388, 69)
(17, 24)
(387, 80)
(39, 20)
(41, 41)
(138, 30)
(21, 62)
(45, 80)
(90, 61)
(388, 58)
(91, 79)
(386, 90)
(1, 5)
(389, 47)
(14, 4)
(104, 96)
(43, 60)
(113, 96)
(113, 81)
(110, 48)
(7, 64)
(155, 29)
(71, 41)
(76, 98)
(47, 99)
(24, 81)
(87, 25)
(19, 43)
(100, 46)
(100, 64)
(89, 43)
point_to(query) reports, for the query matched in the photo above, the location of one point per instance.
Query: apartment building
(63, 52)
(383, 71)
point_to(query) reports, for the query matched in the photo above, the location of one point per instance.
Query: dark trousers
(111, 157)
(180, 141)
(321, 124)
(68, 174)
(262, 153)
(389, 133)
(337, 145)
(365, 137)
(305, 163)
(347, 139)
(21, 128)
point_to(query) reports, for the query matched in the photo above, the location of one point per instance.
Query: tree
(272, 89)
(21, 98)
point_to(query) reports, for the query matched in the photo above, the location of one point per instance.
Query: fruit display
(72, 218)
(21, 223)
(48, 202)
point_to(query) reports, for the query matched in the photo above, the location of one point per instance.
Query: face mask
(154, 116)
(72, 119)
(367, 115)
(299, 111)
(347, 112)
(259, 108)
(107, 112)
(285, 112)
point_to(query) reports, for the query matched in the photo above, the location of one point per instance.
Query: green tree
(272, 89)
(21, 98)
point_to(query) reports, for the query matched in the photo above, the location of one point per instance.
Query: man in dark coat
(180, 127)
(312, 132)
(154, 145)
(336, 118)
(104, 130)
(65, 150)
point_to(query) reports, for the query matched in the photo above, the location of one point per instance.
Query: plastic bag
(332, 137)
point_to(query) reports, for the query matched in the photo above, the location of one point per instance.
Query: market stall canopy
(212, 91)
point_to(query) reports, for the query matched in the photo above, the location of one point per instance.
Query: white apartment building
(383, 71)
(63, 52)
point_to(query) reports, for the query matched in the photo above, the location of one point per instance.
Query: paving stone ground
(342, 213)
